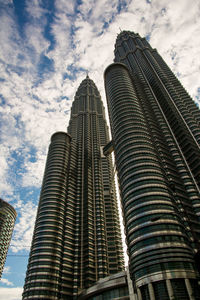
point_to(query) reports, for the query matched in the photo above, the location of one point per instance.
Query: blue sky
(47, 46)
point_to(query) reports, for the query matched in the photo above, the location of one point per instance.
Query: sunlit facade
(77, 238)
(155, 129)
(7, 221)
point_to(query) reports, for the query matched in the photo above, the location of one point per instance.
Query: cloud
(62, 53)
(35, 10)
(6, 270)
(34, 171)
(5, 157)
(6, 281)
(92, 11)
(11, 293)
(29, 101)
(24, 228)
(65, 7)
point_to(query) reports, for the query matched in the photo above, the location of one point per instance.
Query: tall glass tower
(77, 238)
(156, 134)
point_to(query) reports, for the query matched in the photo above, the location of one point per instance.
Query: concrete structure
(110, 287)
(77, 238)
(7, 221)
(156, 134)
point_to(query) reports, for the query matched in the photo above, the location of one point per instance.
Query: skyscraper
(7, 221)
(77, 237)
(155, 131)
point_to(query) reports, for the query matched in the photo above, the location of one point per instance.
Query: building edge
(7, 215)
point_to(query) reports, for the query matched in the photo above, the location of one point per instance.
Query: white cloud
(23, 230)
(11, 293)
(36, 41)
(5, 187)
(6, 270)
(6, 281)
(9, 37)
(66, 7)
(35, 10)
(28, 119)
(62, 53)
(34, 171)
(98, 12)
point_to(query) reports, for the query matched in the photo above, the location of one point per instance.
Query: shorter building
(7, 221)
(110, 287)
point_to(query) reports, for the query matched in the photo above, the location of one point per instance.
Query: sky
(46, 49)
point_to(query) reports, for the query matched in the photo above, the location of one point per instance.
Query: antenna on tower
(120, 29)
(87, 74)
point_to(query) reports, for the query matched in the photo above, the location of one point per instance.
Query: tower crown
(87, 87)
(87, 99)
(126, 34)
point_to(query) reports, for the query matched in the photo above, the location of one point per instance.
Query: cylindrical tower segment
(158, 244)
(45, 261)
(7, 220)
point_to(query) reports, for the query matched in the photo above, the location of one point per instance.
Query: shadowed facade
(155, 129)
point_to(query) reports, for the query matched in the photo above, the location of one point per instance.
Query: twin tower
(155, 128)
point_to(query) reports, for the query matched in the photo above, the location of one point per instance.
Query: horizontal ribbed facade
(100, 249)
(47, 265)
(153, 145)
(77, 212)
(7, 221)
